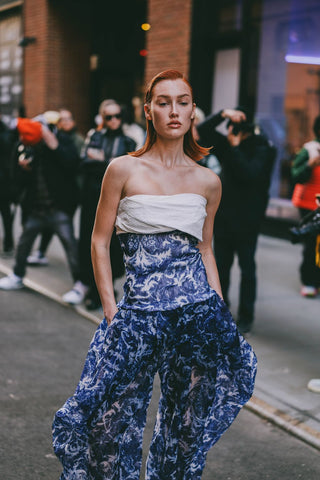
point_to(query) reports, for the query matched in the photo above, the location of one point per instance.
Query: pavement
(43, 345)
(285, 336)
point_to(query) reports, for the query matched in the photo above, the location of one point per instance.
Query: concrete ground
(42, 349)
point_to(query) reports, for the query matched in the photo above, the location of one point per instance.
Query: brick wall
(168, 40)
(56, 67)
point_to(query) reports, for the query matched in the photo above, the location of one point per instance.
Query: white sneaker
(314, 385)
(77, 294)
(308, 291)
(37, 258)
(11, 282)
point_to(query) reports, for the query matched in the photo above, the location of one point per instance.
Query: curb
(284, 421)
(255, 405)
(54, 296)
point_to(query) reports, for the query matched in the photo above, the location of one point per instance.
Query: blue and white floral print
(206, 369)
(164, 271)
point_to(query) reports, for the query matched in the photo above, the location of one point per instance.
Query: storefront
(264, 54)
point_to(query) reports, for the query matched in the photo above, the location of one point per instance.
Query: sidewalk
(285, 336)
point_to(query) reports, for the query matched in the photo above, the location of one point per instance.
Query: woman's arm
(111, 190)
(213, 197)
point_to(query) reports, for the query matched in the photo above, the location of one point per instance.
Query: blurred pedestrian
(210, 160)
(6, 187)
(171, 319)
(67, 124)
(306, 174)
(246, 159)
(101, 146)
(310, 227)
(131, 128)
(46, 171)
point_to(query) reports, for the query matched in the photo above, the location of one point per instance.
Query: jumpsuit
(171, 322)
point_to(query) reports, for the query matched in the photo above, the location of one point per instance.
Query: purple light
(302, 59)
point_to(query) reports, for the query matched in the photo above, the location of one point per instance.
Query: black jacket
(7, 140)
(59, 168)
(114, 144)
(245, 176)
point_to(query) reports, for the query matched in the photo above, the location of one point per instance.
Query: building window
(11, 60)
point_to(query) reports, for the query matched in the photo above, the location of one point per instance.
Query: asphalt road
(42, 349)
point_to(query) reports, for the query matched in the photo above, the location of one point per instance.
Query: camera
(244, 127)
(309, 226)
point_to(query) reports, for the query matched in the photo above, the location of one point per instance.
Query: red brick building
(76, 53)
(260, 53)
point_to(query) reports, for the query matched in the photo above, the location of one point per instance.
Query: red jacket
(304, 193)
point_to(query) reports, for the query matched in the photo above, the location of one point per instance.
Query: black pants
(88, 213)
(7, 221)
(309, 272)
(61, 224)
(226, 247)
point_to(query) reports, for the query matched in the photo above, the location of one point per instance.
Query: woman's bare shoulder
(122, 166)
(209, 180)
(123, 162)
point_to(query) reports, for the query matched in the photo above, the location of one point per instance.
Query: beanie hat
(30, 132)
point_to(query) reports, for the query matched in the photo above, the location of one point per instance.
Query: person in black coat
(247, 160)
(48, 193)
(101, 146)
(6, 190)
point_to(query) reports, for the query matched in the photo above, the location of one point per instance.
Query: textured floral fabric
(164, 271)
(206, 369)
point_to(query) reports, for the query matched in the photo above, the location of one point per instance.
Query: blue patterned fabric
(206, 368)
(164, 271)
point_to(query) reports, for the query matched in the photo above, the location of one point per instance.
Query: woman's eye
(163, 104)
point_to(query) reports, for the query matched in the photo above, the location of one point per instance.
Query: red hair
(190, 146)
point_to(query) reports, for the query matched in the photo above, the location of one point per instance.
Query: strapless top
(145, 214)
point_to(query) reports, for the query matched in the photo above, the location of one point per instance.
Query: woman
(171, 320)
(101, 146)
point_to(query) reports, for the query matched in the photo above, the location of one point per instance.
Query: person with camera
(101, 146)
(247, 158)
(46, 166)
(305, 173)
(66, 123)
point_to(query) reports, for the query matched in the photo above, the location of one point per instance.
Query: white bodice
(162, 213)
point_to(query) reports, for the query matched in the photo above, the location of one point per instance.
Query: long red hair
(190, 146)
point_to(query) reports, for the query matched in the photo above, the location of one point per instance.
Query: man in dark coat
(46, 175)
(101, 146)
(247, 160)
(6, 191)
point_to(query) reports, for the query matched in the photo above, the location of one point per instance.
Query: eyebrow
(179, 96)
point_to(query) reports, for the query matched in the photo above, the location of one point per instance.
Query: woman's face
(112, 117)
(171, 108)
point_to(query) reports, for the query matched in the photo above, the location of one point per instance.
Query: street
(42, 348)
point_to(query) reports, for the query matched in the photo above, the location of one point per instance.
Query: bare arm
(112, 187)
(205, 247)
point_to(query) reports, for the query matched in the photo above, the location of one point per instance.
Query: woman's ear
(147, 113)
(193, 113)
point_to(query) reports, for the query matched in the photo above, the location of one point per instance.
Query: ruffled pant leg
(98, 432)
(207, 373)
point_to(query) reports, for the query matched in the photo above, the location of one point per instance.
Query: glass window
(230, 16)
(10, 66)
(288, 94)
